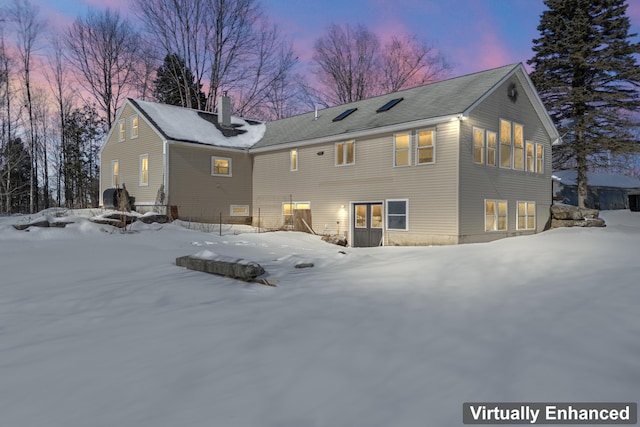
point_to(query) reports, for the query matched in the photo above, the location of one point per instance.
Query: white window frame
(539, 168)
(115, 177)
(408, 149)
(432, 146)
(481, 147)
(501, 144)
(135, 130)
(493, 149)
(496, 216)
(293, 159)
(515, 125)
(141, 181)
(527, 167)
(387, 214)
(345, 153)
(213, 162)
(239, 210)
(526, 215)
(121, 130)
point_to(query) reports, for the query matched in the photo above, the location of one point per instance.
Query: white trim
(397, 128)
(214, 158)
(137, 127)
(410, 133)
(526, 216)
(433, 146)
(497, 216)
(234, 207)
(141, 183)
(483, 146)
(122, 130)
(344, 153)
(113, 163)
(297, 159)
(406, 214)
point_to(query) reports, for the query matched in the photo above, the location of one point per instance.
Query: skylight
(344, 114)
(389, 105)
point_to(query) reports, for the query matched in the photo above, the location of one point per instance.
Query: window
(397, 215)
(239, 210)
(220, 166)
(492, 141)
(376, 216)
(115, 172)
(539, 158)
(144, 169)
(402, 149)
(120, 130)
(288, 210)
(478, 145)
(361, 216)
(526, 215)
(344, 114)
(389, 105)
(293, 158)
(345, 153)
(518, 147)
(530, 165)
(134, 126)
(495, 212)
(426, 147)
(505, 144)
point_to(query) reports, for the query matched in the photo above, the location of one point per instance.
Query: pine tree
(587, 77)
(176, 85)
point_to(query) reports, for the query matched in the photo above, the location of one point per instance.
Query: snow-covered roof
(596, 179)
(188, 125)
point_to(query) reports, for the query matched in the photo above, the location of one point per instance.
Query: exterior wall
(480, 182)
(128, 154)
(202, 197)
(430, 189)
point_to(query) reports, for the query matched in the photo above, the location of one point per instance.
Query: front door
(367, 224)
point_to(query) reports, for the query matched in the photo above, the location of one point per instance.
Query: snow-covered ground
(99, 328)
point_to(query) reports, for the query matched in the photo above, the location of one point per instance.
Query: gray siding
(430, 189)
(128, 154)
(200, 196)
(480, 182)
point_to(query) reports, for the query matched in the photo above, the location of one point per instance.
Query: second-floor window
(220, 166)
(402, 149)
(345, 153)
(293, 159)
(492, 144)
(134, 126)
(120, 130)
(426, 147)
(478, 145)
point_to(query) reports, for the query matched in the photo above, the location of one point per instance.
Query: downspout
(165, 160)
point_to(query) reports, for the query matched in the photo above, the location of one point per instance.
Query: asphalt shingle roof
(444, 98)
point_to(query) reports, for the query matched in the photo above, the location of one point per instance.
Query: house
(462, 160)
(194, 161)
(605, 191)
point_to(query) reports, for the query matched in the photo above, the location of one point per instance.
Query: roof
(595, 179)
(441, 99)
(199, 127)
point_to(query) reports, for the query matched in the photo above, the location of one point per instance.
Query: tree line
(187, 52)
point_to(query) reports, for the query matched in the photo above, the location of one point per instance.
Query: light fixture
(320, 153)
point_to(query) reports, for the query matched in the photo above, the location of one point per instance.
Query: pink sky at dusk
(473, 35)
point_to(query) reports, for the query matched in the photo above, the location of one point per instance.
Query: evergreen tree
(587, 76)
(176, 85)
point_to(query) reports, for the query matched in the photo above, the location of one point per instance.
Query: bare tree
(56, 75)
(28, 29)
(104, 48)
(350, 65)
(408, 62)
(180, 27)
(346, 60)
